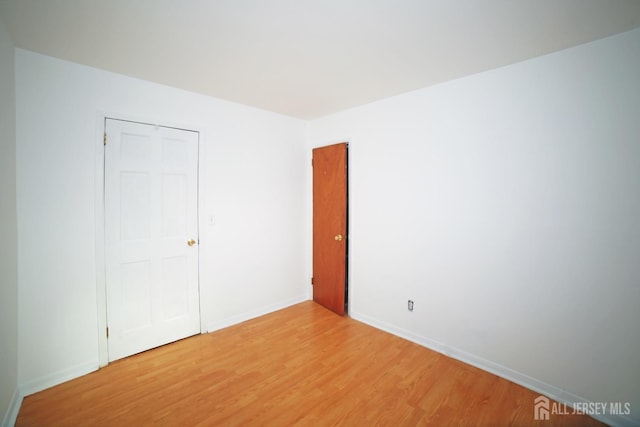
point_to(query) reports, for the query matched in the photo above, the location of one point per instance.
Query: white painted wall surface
(507, 206)
(253, 183)
(8, 236)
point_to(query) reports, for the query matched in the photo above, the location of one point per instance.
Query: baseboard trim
(47, 381)
(234, 320)
(524, 380)
(11, 415)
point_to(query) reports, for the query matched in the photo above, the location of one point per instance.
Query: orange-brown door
(330, 226)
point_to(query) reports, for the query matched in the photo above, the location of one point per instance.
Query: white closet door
(151, 233)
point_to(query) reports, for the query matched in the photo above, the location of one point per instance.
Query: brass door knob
(338, 237)
(191, 242)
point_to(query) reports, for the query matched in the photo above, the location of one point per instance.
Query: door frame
(349, 284)
(99, 206)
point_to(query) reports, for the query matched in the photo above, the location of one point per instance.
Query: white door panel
(150, 215)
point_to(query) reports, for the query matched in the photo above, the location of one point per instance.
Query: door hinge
(312, 280)
(104, 139)
(107, 332)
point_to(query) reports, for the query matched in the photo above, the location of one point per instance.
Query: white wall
(507, 206)
(8, 237)
(253, 183)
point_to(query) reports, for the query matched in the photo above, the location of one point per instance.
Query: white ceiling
(308, 58)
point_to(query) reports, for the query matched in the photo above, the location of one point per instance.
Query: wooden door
(151, 233)
(330, 227)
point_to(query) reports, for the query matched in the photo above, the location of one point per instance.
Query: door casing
(101, 299)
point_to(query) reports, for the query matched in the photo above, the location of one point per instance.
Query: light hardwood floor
(299, 366)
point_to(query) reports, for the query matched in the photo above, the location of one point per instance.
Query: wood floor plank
(302, 366)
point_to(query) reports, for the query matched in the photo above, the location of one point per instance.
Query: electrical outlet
(410, 305)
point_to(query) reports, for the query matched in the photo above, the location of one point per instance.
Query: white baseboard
(234, 320)
(524, 380)
(56, 378)
(11, 415)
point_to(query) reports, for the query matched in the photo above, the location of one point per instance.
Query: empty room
(356, 212)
